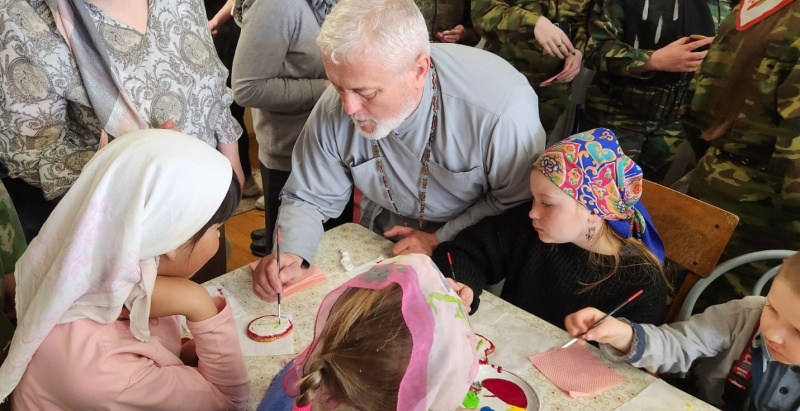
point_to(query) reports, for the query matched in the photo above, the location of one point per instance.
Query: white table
(516, 334)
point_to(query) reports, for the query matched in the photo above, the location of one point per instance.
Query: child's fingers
(573, 325)
(607, 331)
(567, 44)
(699, 55)
(466, 297)
(464, 293)
(699, 43)
(453, 284)
(579, 322)
(558, 49)
(681, 41)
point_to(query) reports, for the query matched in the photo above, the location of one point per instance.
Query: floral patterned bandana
(591, 167)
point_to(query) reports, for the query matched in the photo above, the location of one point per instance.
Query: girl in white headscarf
(100, 289)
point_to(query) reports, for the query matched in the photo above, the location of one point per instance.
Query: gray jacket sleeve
(267, 34)
(318, 188)
(673, 348)
(513, 146)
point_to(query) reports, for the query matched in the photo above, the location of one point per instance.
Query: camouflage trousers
(651, 144)
(744, 191)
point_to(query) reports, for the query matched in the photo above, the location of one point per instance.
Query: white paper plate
(487, 399)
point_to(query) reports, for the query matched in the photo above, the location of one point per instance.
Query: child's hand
(679, 56)
(464, 292)
(611, 331)
(572, 66)
(552, 39)
(181, 296)
(453, 35)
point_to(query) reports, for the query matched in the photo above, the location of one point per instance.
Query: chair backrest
(694, 234)
(691, 298)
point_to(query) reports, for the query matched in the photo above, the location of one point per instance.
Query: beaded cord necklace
(376, 151)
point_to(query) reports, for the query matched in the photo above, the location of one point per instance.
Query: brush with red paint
(610, 313)
(452, 270)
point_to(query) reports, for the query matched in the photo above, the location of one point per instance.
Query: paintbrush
(610, 313)
(278, 259)
(452, 270)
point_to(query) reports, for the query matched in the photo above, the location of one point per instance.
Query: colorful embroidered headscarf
(443, 361)
(591, 168)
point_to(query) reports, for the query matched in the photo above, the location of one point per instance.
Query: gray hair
(390, 31)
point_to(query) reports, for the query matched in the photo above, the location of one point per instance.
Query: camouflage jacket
(507, 26)
(12, 245)
(766, 129)
(441, 15)
(12, 240)
(606, 49)
(620, 96)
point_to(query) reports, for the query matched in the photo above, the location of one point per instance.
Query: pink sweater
(85, 365)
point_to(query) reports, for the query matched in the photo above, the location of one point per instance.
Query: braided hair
(362, 354)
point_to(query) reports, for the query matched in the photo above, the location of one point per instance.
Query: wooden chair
(694, 234)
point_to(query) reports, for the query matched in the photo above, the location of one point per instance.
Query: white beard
(384, 127)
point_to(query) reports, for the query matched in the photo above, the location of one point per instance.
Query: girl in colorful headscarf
(99, 291)
(393, 338)
(585, 240)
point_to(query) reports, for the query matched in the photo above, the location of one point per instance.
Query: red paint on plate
(506, 391)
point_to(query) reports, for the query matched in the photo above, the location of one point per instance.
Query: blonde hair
(392, 32)
(790, 272)
(363, 351)
(646, 257)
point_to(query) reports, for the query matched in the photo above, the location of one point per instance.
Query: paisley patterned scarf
(109, 100)
(591, 168)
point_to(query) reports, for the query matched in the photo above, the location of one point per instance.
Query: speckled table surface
(516, 334)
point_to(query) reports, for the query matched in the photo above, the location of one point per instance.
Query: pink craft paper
(317, 276)
(576, 371)
(552, 79)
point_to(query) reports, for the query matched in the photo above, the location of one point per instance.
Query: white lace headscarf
(144, 195)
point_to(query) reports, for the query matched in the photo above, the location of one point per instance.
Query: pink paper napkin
(576, 371)
(317, 276)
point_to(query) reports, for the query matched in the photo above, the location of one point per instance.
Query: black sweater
(546, 279)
